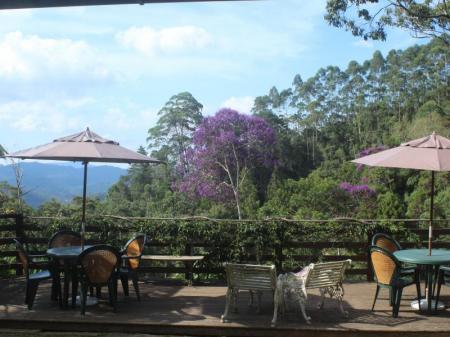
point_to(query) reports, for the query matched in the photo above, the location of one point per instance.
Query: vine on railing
(288, 243)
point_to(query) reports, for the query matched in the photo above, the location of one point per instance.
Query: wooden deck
(196, 311)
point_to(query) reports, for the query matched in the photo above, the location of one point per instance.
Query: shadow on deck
(196, 311)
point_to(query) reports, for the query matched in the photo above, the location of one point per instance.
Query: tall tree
(2, 151)
(171, 137)
(226, 146)
(370, 18)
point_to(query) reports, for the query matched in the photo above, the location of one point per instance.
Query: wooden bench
(254, 278)
(326, 276)
(188, 260)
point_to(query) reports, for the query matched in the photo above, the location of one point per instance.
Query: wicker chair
(131, 259)
(32, 279)
(63, 238)
(389, 274)
(385, 241)
(98, 267)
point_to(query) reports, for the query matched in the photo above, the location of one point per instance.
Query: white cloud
(364, 43)
(151, 41)
(241, 104)
(39, 116)
(31, 58)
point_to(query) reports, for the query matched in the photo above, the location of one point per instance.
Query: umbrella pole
(83, 214)
(430, 230)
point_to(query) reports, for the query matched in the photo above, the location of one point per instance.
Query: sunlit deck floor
(196, 311)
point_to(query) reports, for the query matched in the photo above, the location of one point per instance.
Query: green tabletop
(69, 252)
(420, 256)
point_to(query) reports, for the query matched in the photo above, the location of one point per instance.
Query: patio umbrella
(85, 146)
(431, 153)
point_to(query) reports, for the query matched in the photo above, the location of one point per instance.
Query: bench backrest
(251, 277)
(326, 274)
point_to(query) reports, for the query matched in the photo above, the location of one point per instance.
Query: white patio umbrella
(431, 153)
(85, 146)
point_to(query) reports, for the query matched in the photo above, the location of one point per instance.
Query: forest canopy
(306, 135)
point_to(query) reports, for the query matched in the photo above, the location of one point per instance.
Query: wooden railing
(289, 244)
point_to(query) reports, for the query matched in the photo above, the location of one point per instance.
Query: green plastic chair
(390, 274)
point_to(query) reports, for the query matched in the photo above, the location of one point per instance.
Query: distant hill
(63, 182)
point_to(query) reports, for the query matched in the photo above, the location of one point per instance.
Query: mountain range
(41, 182)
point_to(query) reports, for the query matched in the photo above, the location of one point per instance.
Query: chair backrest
(134, 248)
(326, 274)
(65, 238)
(23, 256)
(99, 263)
(385, 241)
(385, 265)
(251, 277)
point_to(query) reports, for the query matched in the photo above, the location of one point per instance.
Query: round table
(421, 257)
(68, 255)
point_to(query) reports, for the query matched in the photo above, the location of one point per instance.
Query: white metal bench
(254, 278)
(292, 288)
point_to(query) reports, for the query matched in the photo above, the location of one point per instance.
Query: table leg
(66, 284)
(74, 285)
(430, 287)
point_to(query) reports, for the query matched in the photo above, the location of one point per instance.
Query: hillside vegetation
(291, 158)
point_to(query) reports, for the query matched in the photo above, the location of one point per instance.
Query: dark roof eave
(17, 4)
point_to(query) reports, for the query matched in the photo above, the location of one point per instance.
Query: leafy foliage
(226, 147)
(313, 129)
(171, 137)
(370, 18)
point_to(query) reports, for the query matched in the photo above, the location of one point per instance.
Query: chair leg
(74, 288)
(124, 281)
(27, 293)
(224, 317)
(419, 295)
(111, 294)
(376, 296)
(135, 280)
(438, 292)
(83, 295)
(32, 289)
(398, 298)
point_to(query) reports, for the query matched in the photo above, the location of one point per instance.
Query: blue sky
(113, 67)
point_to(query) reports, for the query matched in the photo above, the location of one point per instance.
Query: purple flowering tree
(225, 147)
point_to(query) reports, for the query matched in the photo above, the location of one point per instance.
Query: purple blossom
(366, 152)
(224, 146)
(357, 190)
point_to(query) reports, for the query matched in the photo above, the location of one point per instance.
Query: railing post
(369, 273)
(279, 247)
(188, 265)
(20, 235)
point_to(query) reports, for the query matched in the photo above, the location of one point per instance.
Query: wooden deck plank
(196, 311)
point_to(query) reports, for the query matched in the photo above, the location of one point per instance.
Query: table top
(420, 256)
(66, 252)
(173, 257)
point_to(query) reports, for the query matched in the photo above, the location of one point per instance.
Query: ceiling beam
(17, 4)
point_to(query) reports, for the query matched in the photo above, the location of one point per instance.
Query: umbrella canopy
(430, 153)
(85, 146)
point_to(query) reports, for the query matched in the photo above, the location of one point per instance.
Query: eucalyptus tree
(171, 137)
(370, 19)
(2, 151)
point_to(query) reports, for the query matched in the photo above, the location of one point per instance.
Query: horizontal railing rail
(287, 243)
